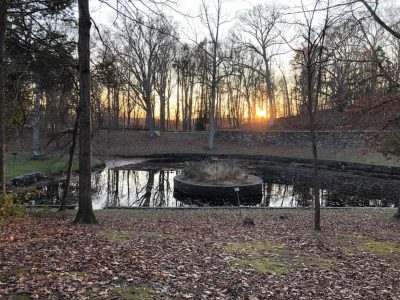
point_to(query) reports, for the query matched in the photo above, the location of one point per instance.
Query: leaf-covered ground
(202, 254)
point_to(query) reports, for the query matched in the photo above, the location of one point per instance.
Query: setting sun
(261, 113)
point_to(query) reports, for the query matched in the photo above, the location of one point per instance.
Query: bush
(11, 205)
(391, 145)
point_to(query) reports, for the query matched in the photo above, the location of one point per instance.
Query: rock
(248, 222)
(27, 179)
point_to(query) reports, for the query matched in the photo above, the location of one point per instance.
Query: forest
(147, 75)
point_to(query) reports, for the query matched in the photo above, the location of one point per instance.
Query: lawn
(202, 254)
(23, 164)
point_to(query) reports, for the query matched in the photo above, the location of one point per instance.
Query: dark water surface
(153, 186)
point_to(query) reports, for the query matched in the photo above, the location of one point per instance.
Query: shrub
(11, 205)
(391, 145)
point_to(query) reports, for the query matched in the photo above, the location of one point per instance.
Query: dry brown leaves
(182, 255)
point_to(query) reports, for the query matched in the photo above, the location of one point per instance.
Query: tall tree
(262, 37)
(85, 211)
(141, 42)
(213, 20)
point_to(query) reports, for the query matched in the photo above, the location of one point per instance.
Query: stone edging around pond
(334, 165)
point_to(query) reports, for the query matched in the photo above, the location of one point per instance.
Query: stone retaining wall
(326, 139)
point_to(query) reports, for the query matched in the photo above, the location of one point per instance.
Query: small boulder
(248, 222)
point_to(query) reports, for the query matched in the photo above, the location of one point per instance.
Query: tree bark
(149, 120)
(3, 24)
(317, 204)
(85, 212)
(162, 112)
(270, 93)
(213, 98)
(311, 106)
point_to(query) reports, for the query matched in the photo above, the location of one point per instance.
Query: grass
(23, 164)
(132, 293)
(15, 272)
(362, 244)
(264, 257)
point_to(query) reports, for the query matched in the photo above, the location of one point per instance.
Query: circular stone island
(218, 193)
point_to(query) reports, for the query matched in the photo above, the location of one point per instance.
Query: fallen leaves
(190, 254)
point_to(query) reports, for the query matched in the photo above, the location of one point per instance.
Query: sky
(184, 12)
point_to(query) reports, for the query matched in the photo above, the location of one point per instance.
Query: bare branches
(379, 20)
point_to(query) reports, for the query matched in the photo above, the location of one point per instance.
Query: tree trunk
(85, 212)
(3, 24)
(69, 167)
(162, 112)
(317, 205)
(150, 121)
(116, 108)
(36, 124)
(270, 93)
(177, 103)
(311, 106)
(213, 98)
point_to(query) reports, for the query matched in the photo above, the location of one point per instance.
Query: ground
(202, 254)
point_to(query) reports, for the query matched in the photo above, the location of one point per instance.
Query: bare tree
(163, 77)
(262, 36)
(140, 45)
(312, 58)
(213, 23)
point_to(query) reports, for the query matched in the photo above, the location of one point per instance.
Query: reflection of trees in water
(139, 188)
(303, 194)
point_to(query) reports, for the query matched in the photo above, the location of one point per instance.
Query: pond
(136, 183)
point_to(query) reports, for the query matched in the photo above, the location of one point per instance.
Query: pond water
(118, 186)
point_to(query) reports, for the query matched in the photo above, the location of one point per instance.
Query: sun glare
(261, 113)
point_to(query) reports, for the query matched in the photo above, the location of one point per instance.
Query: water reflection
(114, 187)
(155, 188)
